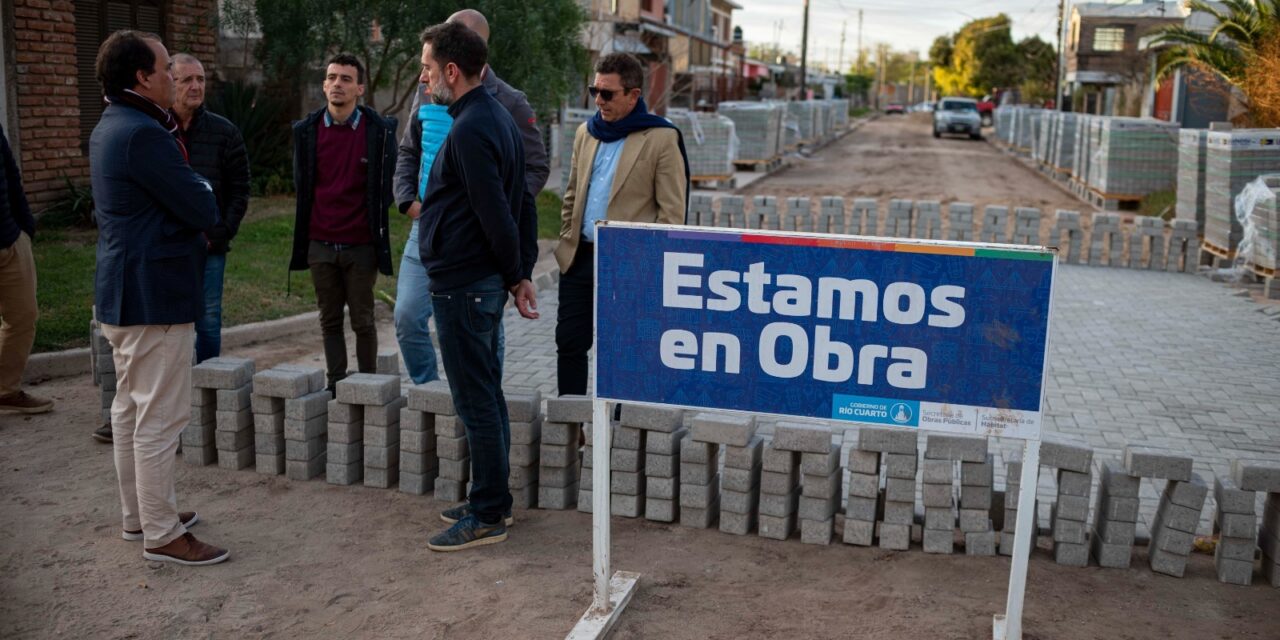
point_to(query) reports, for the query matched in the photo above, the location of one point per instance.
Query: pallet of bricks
(802, 112)
(570, 120)
(1260, 242)
(758, 125)
(711, 142)
(842, 114)
(1135, 157)
(1003, 121)
(1062, 154)
(1027, 128)
(1233, 159)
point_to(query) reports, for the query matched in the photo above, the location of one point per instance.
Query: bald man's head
(473, 20)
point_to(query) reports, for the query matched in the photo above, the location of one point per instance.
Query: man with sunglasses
(627, 165)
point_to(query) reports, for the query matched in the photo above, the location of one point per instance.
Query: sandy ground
(310, 560)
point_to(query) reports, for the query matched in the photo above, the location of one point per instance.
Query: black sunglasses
(607, 94)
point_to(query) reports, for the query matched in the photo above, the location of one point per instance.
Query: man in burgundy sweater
(344, 157)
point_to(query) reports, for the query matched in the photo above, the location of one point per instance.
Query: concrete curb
(74, 362)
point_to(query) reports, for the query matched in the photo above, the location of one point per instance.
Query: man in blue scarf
(628, 165)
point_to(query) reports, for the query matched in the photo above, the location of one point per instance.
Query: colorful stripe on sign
(836, 243)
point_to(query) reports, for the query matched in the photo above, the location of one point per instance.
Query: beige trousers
(18, 311)
(152, 406)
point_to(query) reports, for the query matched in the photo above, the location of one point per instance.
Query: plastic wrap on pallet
(1135, 156)
(1191, 157)
(803, 113)
(819, 120)
(1093, 140)
(1233, 159)
(758, 125)
(1256, 210)
(842, 113)
(1063, 154)
(570, 120)
(710, 139)
(1044, 137)
(1027, 125)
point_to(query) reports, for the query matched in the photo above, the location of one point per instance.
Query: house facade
(1106, 70)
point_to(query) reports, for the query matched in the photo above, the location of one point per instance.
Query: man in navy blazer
(152, 212)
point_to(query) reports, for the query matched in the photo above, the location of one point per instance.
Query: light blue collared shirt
(603, 167)
(353, 121)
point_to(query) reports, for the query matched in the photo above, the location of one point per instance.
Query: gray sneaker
(452, 516)
(466, 533)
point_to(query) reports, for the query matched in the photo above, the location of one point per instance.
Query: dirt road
(897, 157)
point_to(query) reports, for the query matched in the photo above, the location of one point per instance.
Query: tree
(1241, 49)
(1039, 70)
(534, 45)
(981, 56)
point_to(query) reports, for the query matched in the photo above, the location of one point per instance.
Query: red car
(894, 107)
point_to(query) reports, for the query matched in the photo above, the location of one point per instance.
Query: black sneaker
(452, 516)
(103, 433)
(466, 533)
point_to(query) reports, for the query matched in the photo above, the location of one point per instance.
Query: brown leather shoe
(187, 518)
(188, 551)
(23, 402)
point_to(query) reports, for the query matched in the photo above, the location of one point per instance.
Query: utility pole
(911, 83)
(1061, 75)
(840, 61)
(880, 55)
(804, 55)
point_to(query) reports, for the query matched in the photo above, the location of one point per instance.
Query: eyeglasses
(607, 94)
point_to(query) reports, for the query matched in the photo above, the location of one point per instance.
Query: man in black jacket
(479, 244)
(217, 153)
(18, 311)
(344, 156)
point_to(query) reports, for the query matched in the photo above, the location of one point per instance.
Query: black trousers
(345, 279)
(575, 324)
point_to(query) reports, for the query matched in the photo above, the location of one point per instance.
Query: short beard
(441, 95)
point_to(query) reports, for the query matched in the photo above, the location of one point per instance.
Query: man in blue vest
(427, 128)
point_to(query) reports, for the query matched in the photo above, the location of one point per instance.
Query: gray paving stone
(738, 501)
(976, 497)
(816, 531)
(345, 413)
(779, 505)
(939, 541)
(561, 433)
(375, 436)
(304, 469)
(662, 488)
(858, 532)
(1111, 556)
(457, 449)
(347, 433)
(268, 422)
(980, 543)
(735, 430)
(558, 498)
(631, 484)
(775, 460)
(827, 486)
(661, 466)
(859, 461)
(1231, 499)
(450, 427)
(1071, 483)
(733, 479)
(775, 528)
(628, 438)
(448, 490)
(664, 444)
(233, 420)
(619, 459)
(1256, 475)
(699, 517)
(235, 399)
(1071, 555)
(938, 471)
(416, 483)
(652, 418)
(900, 465)
(416, 441)
(304, 449)
(700, 496)
(899, 512)
(1145, 462)
(288, 381)
(380, 478)
(660, 510)
(344, 473)
(385, 415)
(899, 490)
(1187, 494)
(1117, 483)
(886, 440)
(948, 447)
(802, 437)
(233, 440)
(221, 373)
(570, 409)
(421, 422)
(261, 404)
(237, 459)
(779, 483)
(626, 506)
(694, 473)
(368, 389)
(520, 455)
(977, 474)
(1065, 455)
(864, 485)
(267, 464)
(432, 397)
(305, 429)
(896, 537)
(457, 470)
(382, 457)
(419, 463)
(524, 405)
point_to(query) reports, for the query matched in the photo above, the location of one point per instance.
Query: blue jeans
(413, 313)
(469, 320)
(209, 323)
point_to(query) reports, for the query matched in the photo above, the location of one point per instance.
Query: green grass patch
(258, 283)
(1160, 204)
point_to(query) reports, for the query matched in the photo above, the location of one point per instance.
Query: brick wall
(44, 51)
(48, 111)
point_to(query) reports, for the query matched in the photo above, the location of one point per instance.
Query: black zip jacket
(15, 214)
(381, 156)
(217, 152)
(478, 218)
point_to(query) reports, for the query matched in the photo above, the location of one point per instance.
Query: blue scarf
(638, 120)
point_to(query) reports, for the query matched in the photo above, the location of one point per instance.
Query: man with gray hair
(427, 127)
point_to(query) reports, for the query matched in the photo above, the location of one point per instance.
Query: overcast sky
(904, 25)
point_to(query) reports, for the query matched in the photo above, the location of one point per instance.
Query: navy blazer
(152, 209)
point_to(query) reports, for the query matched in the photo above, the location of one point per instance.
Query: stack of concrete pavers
(233, 428)
(941, 453)
(740, 479)
(1173, 531)
(627, 458)
(1264, 477)
(1236, 520)
(568, 424)
(551, 481)
(1115, 517)
(898, 513)
(699, 482)
(434, 402)
(344, 449)
(1069, 517)
(418, 462)
(368, 456)
(779, 493)
(382, 439)
(662, 474)
(863, 497)
(452, 452)
(103, 364)
(1013, 491)
(976, 497)
(273, 389)
(820, 478)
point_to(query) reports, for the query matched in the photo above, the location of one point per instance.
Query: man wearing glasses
(627, 165)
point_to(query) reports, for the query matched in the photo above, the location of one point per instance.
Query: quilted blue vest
(436, 123)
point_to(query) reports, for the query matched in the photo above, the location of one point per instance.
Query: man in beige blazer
(627, 165)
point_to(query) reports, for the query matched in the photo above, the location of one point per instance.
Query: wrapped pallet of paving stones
(233, 428)
(1178, 514)
(710, 140)
(820, 476)
(1258, 207)
(842, 113)
(1069, 516)
(941, 454)
(758, 125)
(271, 390)
(740, 478)
(1062, 155)
(897, 515)
(1233, 159)
(1003, 121)
(1236, 521)
(803, 113)
(1026, 127)
(1192, 149)
(434, 401)
(1136, 157)
(779, 493)
(662, 474)
(570, 120)
(627, 483)
(419, 464)
(1115, 517)
(367, 409)
(1263, 477)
